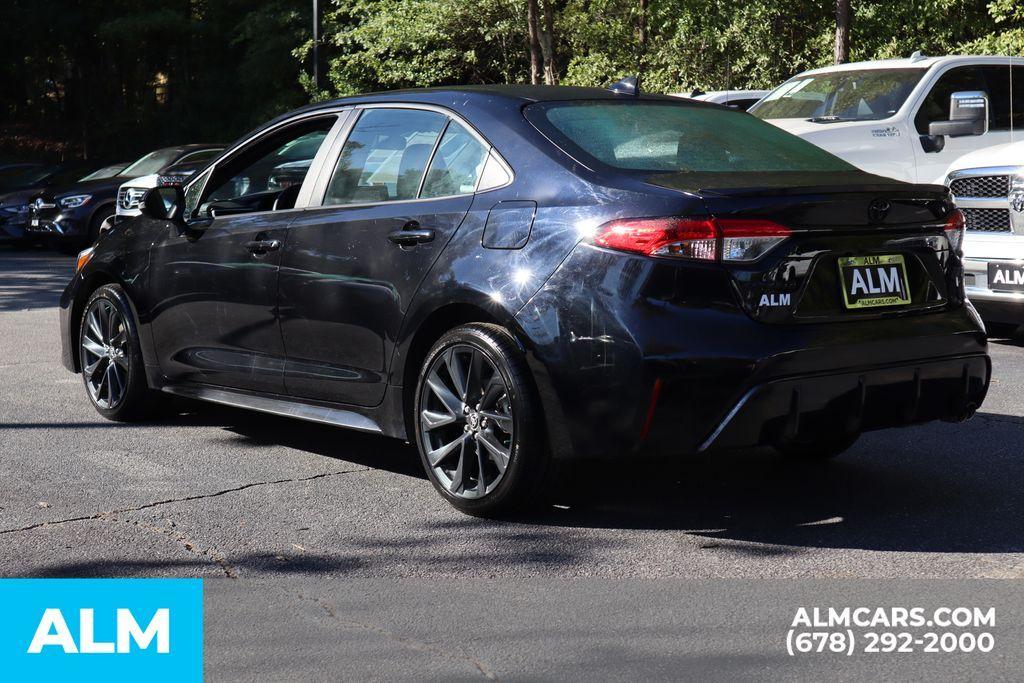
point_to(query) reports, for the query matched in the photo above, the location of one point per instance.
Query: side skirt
(276, 406)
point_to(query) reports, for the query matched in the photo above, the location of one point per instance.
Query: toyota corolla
(515, 277)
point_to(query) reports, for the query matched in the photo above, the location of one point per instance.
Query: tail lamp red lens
(704, 239)
(954, 229)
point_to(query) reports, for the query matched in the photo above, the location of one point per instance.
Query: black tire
(822, 449)
(136, 400)
(521, 483)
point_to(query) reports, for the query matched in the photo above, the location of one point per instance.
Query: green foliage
(706, 44)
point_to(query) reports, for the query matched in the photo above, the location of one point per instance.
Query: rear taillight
(954, 229)
(705, 239)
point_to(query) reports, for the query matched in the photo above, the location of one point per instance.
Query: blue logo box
(102, 629)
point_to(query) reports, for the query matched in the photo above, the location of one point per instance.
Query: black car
(20, 189)
(513, 277)
(70, 215)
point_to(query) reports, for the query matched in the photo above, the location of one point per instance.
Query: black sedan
(513, 277)
(23, 188)
(69, 216)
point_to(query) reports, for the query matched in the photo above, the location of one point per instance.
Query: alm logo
(53, 631)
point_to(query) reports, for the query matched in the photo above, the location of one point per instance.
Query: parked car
(11, 173)
(70, 216)
(106, 171)
(14, 203)
(734, 99)
(988, 186)
(514, 276)
(893, 117)
(131, 192)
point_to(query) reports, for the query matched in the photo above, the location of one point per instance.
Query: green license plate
(871, 281)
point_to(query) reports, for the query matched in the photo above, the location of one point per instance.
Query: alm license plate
(1006, 276)
(870, 281)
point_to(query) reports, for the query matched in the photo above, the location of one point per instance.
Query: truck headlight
(74, 201)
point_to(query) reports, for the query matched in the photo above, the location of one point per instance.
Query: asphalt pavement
(293, 515)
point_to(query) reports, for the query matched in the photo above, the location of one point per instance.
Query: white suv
(988, 186)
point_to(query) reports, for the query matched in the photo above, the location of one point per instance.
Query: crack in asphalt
(411, 643)
(188, 544)
(185, 499)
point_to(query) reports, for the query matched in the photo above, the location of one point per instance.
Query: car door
(932, 162)
(215, 321)
(402, 182)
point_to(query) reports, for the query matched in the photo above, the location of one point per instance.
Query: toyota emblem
(878, 209)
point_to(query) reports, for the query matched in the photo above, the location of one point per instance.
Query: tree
(842, 31)
(533, 30)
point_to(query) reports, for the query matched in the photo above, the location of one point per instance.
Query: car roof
(919, 62)
(480, 95)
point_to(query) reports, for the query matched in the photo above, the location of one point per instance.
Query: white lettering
(1000, 277)
(890, 279)
(86, 635)
(52, 619)
(159, 626)
(858, 283)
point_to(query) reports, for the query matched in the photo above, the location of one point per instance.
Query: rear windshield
(660, 137)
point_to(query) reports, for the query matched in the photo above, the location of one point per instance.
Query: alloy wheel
(105, 349)
(466, 422)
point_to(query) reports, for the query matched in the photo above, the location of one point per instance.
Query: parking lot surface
(225, 494)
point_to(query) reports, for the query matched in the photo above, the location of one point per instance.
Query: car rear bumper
(820, 406)
(631, 358)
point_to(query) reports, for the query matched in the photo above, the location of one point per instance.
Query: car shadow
(32, 279)
(936, 488)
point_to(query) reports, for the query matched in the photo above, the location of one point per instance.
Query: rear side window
(385, 156)
(665, 137)
(457, 164)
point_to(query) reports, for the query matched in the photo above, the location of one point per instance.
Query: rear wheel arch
(432, 328)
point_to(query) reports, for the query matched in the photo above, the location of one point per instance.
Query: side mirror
(164, 203)
(968, 115)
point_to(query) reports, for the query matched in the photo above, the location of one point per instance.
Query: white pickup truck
(988, 186)
(899, 117)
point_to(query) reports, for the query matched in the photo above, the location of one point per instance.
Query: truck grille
(981, 186)
(987, 220)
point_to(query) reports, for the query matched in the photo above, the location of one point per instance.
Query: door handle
(263, 246)
(410, 237)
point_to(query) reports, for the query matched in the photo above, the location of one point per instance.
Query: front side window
(650, 136)
(257, 177)
(385, 156)
(1005, 100)
(936, 105)
(457, 164)
(861, 95)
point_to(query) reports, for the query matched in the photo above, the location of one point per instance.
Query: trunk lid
(854, 240)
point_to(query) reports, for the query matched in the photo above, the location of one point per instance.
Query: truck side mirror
(968, 115)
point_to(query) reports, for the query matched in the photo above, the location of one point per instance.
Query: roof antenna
(917, 56)
(627, 86)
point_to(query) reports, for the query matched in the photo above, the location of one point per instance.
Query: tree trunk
(547, 45)
(843, 17)
(641, 60)
(532, 25)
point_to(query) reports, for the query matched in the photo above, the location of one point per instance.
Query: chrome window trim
(233, 150)
(320, 193)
